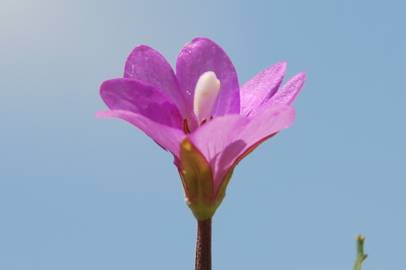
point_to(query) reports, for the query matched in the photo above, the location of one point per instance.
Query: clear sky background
(78, 192)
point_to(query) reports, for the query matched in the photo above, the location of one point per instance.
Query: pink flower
(200, 113)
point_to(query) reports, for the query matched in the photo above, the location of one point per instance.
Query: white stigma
(206, 92)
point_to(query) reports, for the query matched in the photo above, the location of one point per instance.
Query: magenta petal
(167, 137)
(137, 97)
(289, 91)
(262, 87)
(225, 140)
(214, 136)
(199, 56)
(150, 67)
(218, 142)
(266, 122)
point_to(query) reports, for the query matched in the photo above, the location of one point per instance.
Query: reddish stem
(203, 245)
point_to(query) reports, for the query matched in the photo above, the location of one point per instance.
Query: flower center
(206, 92)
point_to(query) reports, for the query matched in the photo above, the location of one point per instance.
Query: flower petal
(268, 121)
(262, 87)
(224, 141)
(289, 91)
(217, 134)
(134, 96)
(150, 67)
(199, 56)
(218, 141)
(167, 137)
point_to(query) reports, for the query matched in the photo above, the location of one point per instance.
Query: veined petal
(148, 66)
(202, 55)
(135, 96)
(261, 88)
(217, 134)
(268, 121)
(289, 91)
(218, 141)
(224, 141)
(167, 137)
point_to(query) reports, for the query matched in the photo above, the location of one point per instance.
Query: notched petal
(261, 87)
(287, 94)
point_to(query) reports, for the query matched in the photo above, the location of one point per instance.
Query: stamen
(186, 126)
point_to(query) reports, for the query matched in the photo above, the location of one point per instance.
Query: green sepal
(221, 193)
(197, 181)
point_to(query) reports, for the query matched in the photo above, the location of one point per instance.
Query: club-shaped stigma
(206, 93)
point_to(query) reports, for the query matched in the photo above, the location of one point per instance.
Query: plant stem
(203, 245)
(361, 256)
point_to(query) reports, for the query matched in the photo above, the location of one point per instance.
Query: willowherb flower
(200, 113)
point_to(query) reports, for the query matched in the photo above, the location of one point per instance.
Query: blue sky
(78, 192)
